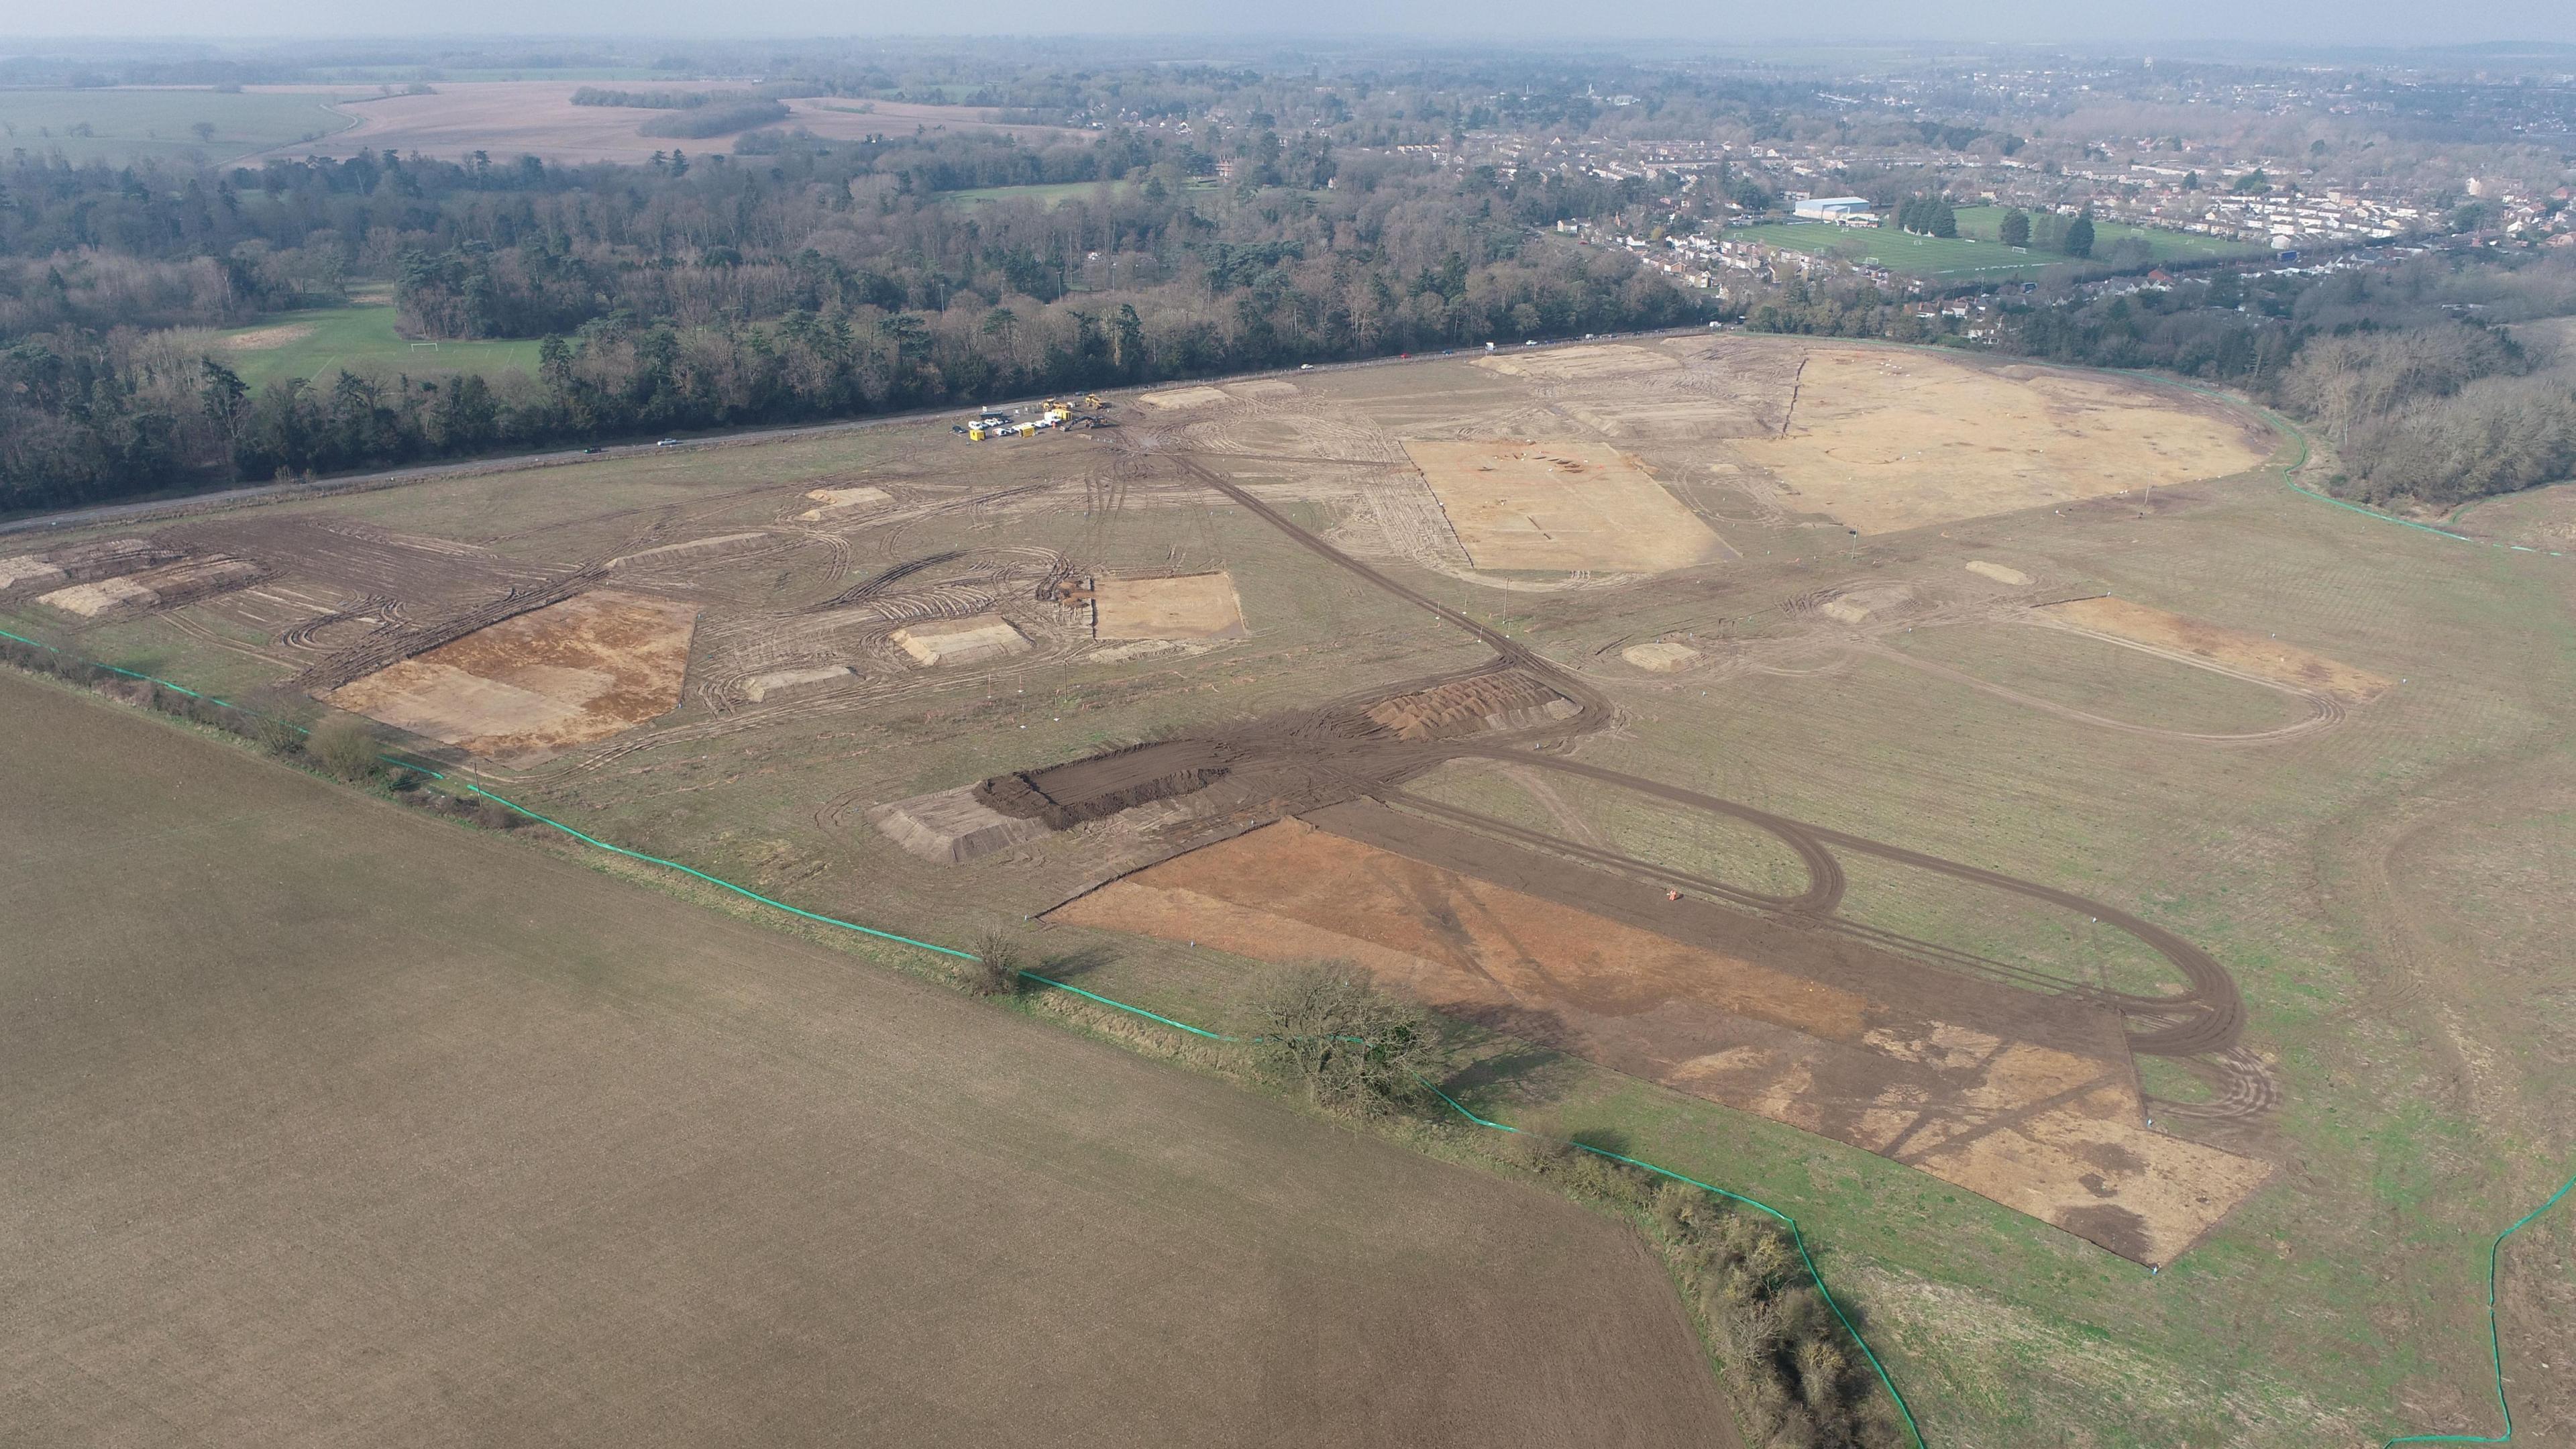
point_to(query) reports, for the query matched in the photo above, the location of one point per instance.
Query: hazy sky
(2325, 22)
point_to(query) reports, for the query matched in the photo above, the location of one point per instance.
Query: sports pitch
(2028, 879)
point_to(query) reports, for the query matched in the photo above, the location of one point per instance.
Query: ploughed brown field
(328, 1123)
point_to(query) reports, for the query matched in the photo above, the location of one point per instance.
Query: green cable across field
(2495, 1337)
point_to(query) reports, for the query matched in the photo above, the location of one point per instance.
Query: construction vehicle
(1054, 413)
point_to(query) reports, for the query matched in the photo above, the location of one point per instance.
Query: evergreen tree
(2016, 228)
(2079, 234)
(1944, 221)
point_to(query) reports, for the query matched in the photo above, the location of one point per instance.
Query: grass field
(360, 336)
(2385, 888)
(360, 1127)
(1974, 255)
(116, 126)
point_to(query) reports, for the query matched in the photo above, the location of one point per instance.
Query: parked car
(594, 448)
(668, 443)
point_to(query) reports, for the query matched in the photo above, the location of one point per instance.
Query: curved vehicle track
(2207, 1017)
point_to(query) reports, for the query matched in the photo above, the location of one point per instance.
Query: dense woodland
(707, 291)
(766, 277)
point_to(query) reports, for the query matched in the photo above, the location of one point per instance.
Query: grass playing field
(1974, 255)
(312, 344)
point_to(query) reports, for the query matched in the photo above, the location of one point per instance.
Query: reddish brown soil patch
(533, 686)
(2026, 1099)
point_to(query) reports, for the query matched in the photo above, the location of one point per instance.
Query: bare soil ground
(1190, 606)
(530, 687)
(1560, 505)
(2028, 1100)
(538, 118)
(1884, 441)
(2236, 650)
(2074, 819)
(360, 1128)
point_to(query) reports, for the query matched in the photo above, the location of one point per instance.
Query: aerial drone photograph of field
(1983, 810)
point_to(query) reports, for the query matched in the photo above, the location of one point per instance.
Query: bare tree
(1352, 1046)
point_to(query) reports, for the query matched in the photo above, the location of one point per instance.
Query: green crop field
(361, 336)
(116, 126)
(1974, 255)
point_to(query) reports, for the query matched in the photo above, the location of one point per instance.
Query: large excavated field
(1826, 770)
(358, 1128)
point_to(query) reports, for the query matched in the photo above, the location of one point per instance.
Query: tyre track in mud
(2208, 1017)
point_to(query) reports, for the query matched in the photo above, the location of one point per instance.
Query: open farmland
(1998, 847)
(360, 1128)
(120, 125)
(511, 118)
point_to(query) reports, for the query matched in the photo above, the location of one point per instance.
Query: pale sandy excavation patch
(2231, 651)
(778, 681)
(696, 550)
(1664, 656)
(970, 640)
(1998, 573)
(1261, 387)
(529, 688)
(2044, 1118)
(1883, 441)
(1573, 364)
(168, 586)
(952, 826)
(1183, 397)
(1561, 507)
(1192, 606)
(1856, 607)
(840, 502)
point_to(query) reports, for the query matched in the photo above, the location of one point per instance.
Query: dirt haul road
(328, 1123)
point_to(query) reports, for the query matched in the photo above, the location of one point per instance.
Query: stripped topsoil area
(2026, 1098)
(2196, 641)
(362, 1129)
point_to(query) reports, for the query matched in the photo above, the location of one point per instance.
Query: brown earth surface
(1191, 606)
(363, 1129)
(1883, 441)
(2233, 651)
(1560, 505)
(526, 689)
(2024, 1098)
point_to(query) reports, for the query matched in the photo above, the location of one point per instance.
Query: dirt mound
(165, 587)
(82, 563)
(970, 640)
(1064, 796)
(1664, 656)
(1998, 572)
(952, 826)
(1502, 700)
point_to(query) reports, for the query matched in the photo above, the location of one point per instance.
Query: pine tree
(2079, 234)
(1944, 221)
